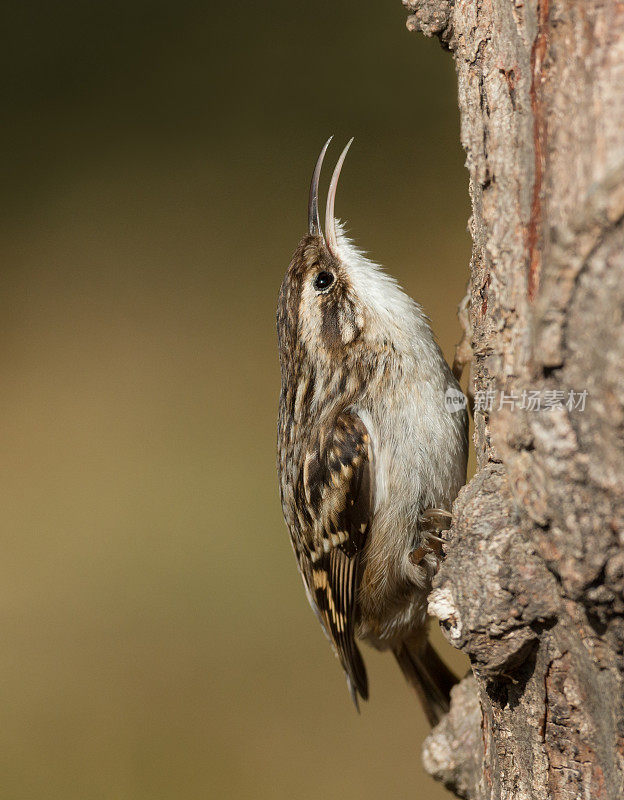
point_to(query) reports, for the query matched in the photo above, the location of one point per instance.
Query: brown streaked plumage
(366, 445)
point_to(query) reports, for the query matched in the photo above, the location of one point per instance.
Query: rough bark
(532, 586)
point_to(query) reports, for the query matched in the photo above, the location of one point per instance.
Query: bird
(370, 454)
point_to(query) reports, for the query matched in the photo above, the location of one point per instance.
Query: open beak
(330, 222)
(314, 223)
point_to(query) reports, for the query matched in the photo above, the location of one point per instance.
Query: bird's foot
(435, 519)
(432, 522)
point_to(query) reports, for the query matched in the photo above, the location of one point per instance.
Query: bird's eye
(323, 281)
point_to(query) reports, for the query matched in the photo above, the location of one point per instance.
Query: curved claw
(314, 222)
(435, 519)
(330, 222)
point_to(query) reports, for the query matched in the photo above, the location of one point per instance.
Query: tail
(428, 674)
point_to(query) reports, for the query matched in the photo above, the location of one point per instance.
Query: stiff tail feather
(428, 674)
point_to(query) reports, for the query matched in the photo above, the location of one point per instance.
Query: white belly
(419, 452)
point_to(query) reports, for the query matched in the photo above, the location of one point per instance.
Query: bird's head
(334, 302)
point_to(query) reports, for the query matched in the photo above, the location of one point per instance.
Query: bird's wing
(336, 489)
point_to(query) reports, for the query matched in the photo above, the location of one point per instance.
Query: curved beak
(314, 222)
(330, 222)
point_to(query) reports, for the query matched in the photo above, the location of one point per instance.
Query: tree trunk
(532, 586)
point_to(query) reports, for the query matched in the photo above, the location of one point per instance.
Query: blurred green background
(155, 166)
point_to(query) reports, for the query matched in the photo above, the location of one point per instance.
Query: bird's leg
(432, 521)
(417, 555)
